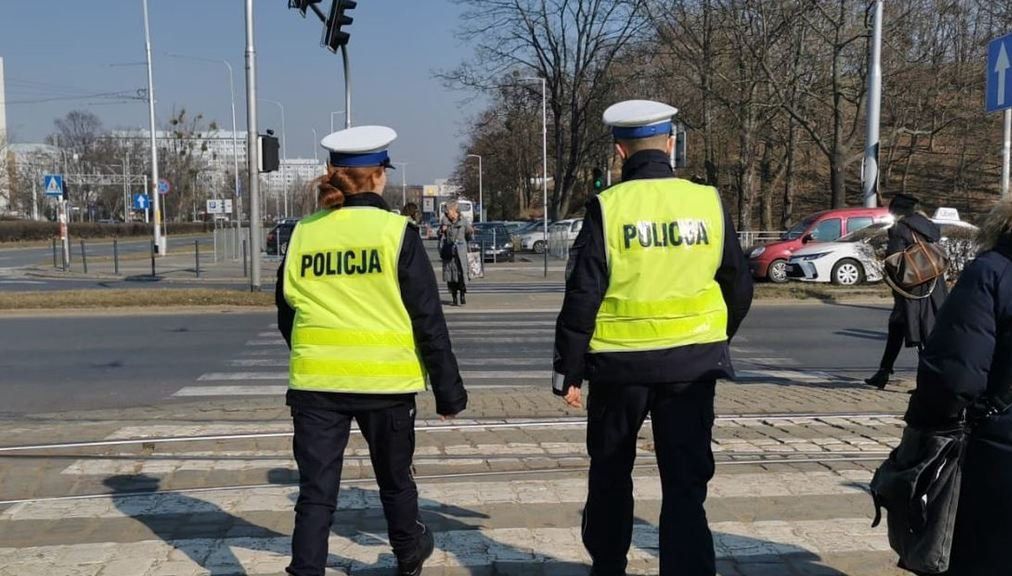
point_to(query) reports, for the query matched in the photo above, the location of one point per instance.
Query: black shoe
(463, 299)
(879, 380)
(413, 567)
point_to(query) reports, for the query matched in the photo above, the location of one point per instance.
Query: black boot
(463, 299)
(454, 294)
(413, 566)
(879, 380)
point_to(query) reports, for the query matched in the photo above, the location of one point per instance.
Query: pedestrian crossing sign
(53, 184)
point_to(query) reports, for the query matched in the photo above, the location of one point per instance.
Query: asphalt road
(58, 363)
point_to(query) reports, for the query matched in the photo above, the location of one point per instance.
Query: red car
(769, 262)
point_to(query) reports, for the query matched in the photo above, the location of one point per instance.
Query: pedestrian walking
(657, 287)
(359, 307)
(455, 235)
(410, 210)
(968, 356)
(912, 318)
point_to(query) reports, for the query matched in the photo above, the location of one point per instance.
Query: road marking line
(435, 494)
(465, 374)
(543, 363)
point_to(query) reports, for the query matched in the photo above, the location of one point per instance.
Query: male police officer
(359, 306)
(657, 287)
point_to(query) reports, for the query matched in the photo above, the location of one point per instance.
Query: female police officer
(359, 307)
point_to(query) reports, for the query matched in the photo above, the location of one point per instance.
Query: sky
(56, 51)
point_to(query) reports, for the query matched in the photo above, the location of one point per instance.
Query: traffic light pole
(252, 153)
(347, 86)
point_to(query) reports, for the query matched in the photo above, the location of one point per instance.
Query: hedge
(27, 230)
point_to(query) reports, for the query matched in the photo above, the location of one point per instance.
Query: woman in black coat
(970, 353)
(912, 319)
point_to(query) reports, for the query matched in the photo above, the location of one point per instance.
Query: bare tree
(573, 45)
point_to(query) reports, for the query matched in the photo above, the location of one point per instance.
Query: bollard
(494, 245)
(84, 258)
(215, 236)
(153, 259)
(55, 266)
(245, 273)
(196, 257)
(115, 256)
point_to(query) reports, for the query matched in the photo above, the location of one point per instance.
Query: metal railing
(749, 238)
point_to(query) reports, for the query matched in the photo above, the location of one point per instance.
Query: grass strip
(133, 298)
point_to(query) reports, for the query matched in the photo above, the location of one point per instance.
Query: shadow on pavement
(736, 553)
(196, 530)
(862, 333)
(473, 549)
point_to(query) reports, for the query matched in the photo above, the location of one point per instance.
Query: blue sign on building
(999, 74)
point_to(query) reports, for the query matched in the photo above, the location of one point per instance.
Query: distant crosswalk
(494, 350)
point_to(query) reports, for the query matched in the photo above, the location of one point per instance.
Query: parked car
(769, 262)
(857, 257)
(534, 238)
(494, 242)
(278, 237)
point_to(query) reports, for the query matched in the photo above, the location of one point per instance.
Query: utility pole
(1006, 153)
(870, 176)
(160, 244)
(404, 182)
(481, 198)
(332, 119)
(544, 159)
(252, 152)
(126, 188)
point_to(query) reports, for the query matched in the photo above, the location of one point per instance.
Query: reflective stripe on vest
(664, 239)
(352, 332)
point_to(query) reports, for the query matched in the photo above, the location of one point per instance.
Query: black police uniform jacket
(587, 283)
(969, 353)
(420, 296)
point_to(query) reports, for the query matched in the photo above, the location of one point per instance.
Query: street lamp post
(544, 159)
(404, 183)
(160, 244)
(332, 119)
(316, 145)
(870, 176)
(252, 156)
(237, 211)
(284, 152)
(481, 198)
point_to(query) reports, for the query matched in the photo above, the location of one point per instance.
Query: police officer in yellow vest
(359, 307)
(657, 287)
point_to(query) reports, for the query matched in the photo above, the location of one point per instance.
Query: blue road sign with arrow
(53, 184)
(999, 77)
(141, 202)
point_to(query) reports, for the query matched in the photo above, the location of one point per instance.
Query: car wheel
(539, 247)
(848, 272)
(777, 272)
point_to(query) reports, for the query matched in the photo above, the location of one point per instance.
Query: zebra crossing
(501, 498)
(509, 349)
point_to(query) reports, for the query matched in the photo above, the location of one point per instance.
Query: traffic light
(598, 179)
(303, 5)
(270, 159)
(333, 36)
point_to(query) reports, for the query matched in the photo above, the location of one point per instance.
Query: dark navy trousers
(682, 421)
(321, 436)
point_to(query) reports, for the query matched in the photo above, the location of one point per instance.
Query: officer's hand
(574, 397)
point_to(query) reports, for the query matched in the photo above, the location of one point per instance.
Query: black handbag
(447, 249)
(919, 486)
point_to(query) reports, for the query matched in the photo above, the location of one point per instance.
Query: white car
(852, 259)
(534, 238)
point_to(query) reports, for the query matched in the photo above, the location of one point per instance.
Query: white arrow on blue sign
(53, 184)
(141, 202)
(999, 75)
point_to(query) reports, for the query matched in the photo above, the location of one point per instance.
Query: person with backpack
(914, 312)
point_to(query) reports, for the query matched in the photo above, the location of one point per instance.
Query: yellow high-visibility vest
(352, 332)
(664, 239)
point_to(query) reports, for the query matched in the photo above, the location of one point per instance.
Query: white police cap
(360, 146)
(639, 119)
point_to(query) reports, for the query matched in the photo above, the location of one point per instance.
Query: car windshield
(865, 234)
(798, 229)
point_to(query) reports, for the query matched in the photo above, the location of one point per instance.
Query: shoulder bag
(918, 264)
(919, 486)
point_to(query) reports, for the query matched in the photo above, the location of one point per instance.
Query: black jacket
(916, 316)
(420, 295)
(969, 353)
(587, 283)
